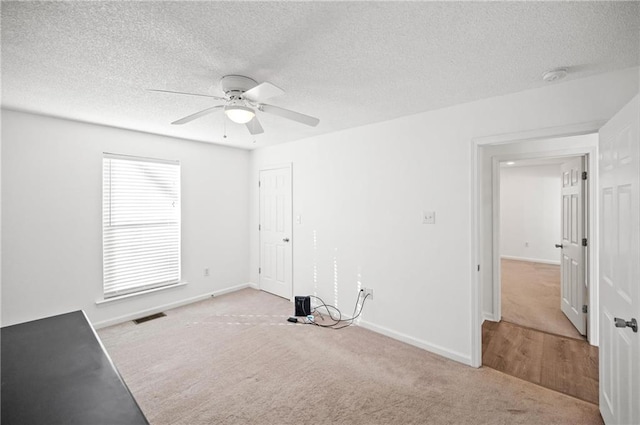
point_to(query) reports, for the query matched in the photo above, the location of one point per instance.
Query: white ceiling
(347, 63)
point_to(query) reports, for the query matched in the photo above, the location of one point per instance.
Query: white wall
(361, 192)
(530, 213)
(52, 217)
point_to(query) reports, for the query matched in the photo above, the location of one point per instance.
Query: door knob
(285, 240)
(558, 245)
(621, 323)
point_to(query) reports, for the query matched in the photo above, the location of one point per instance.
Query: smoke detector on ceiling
(555, 74)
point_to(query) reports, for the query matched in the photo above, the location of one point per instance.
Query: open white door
(275, 232)
(572, 259)
(619, 192)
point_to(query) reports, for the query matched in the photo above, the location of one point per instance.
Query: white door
(275, 232)
(572, 264)
(619, 191)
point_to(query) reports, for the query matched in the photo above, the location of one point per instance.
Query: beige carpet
(235, 360)
(531, 297)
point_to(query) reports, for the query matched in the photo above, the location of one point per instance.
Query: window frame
(109, 250)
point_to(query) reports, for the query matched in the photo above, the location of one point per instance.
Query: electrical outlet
(206, 272)
(369, 292)
(428, 217)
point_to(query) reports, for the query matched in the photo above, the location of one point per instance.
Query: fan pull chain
(224, 126)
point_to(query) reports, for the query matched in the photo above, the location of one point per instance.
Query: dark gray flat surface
(55, 371)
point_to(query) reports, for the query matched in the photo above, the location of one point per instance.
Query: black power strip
(302, 306)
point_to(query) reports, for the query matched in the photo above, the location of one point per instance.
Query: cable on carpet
(339, 321)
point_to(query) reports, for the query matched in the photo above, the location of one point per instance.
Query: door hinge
(259, 270)
(585, 309)
(258, 183)
(584, 241)
(478, 267)
(259, 227)
(584, 175)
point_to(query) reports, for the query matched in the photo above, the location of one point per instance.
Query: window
(140, 224)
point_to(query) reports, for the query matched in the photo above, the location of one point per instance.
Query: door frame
(289, 166)
(589, 160)
(481, 209)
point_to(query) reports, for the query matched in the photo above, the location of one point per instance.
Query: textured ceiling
(347, 63)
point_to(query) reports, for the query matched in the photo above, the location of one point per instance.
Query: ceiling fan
(243, 96)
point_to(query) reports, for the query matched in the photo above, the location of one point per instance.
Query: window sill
(136, 294)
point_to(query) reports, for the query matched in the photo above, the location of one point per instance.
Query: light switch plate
(428, 217)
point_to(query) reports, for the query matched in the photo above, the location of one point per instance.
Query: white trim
(145, 292)
(450, 354)
(543, 133)
(531, 260)
(476, 300)
(477, 313)
(168, 306)
(234, 289)
(495, 227)
(140, 158)
(274, 167)
(593, 251)
(488, 316)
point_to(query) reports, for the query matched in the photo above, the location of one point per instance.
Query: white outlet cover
(428, 217)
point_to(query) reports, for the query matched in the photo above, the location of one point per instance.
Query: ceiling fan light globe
(239, 114)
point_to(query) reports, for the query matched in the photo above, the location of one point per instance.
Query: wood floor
(535, 341)
(567, 365)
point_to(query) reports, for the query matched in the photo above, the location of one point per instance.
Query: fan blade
(262, 91)
(285, 113)
(188, 94)
(197, 115)
(254, 126)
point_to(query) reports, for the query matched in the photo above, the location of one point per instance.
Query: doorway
(542, 357)
(489, 153)
(542, 259)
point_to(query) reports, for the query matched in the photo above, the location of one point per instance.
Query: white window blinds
(141, 224)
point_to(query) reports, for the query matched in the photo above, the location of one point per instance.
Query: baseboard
(444, 352)
(169, 306)
(234, 289)
(531, 260)
(489, 316)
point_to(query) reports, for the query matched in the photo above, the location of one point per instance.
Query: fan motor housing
(235, 85)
